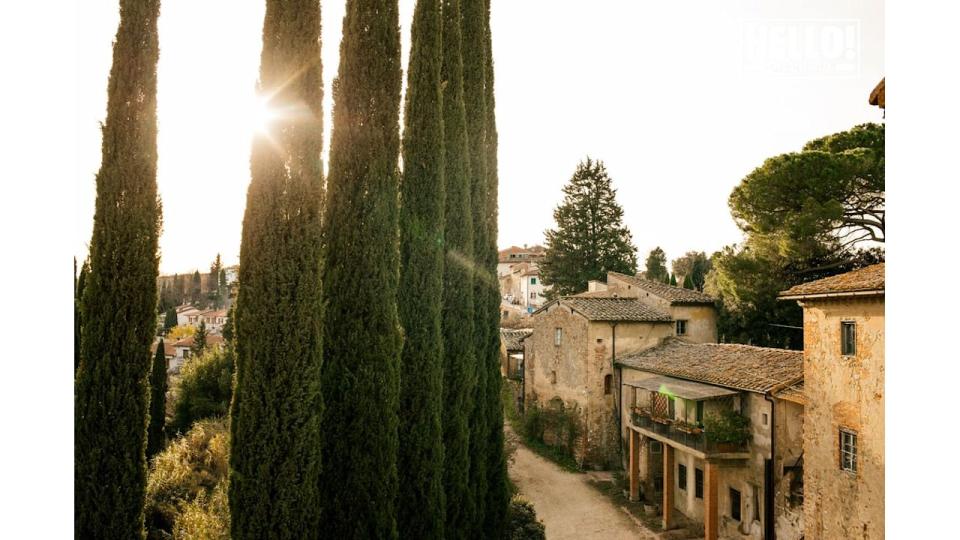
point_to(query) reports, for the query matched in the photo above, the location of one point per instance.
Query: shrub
(186, 484)
(727, 427)
(522, 522)
(204, 389)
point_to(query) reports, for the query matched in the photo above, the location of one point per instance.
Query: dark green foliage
(688, 282)
(694, 265)
(277, 402)
(158, 401)
(204, 390)
(498, 484)
(81, 282)
(120, 294)
(657, 266)
(362, 336)
(832, 191)
(590, 239)
(522, 522)
(458, 302)
(420, 505)
(673, 280)
(169, 319)
(196, 288)
(199, 340)
(474, 96)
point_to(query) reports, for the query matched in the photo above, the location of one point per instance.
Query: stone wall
(843, 392)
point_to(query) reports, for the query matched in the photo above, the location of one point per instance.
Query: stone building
(516, 254)
(715, 436)
(521, 287)
(843, 450)
(569, 358)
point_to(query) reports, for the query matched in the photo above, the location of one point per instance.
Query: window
(766, 419)
(606, 383)
(533, 295)
(506, 314)
(682, 477)
(681, 328)
(533, 281)
(735, 504)
(699, 413)
(553, 376)
(848, 451)
(557, 336)
(658, 483)
(698, 483)
(848, 338)
(599, 340)
(656, 447)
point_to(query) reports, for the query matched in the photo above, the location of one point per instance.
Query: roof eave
(811, 296)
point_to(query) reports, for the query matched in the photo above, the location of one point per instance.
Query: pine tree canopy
(277, 405)
(590, 238)
(120, 294)
(362, 336)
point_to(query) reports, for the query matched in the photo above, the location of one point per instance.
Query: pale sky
(680, 99)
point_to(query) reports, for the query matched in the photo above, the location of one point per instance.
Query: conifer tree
(498, 490)
(199, 340)
(78, 313)
(277, 403)
(673, 280)
(459, 369)
(657, 266)
(120, 294)
(420, 506)
(590, 239)
(687, 282)
(196, 288)
(158, 401)
(362, 336)
(170, 319)
(474, 74)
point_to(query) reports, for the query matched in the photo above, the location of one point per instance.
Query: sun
(261, 115)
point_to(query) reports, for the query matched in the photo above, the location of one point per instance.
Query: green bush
(552, 432)
(727, 427)
(186, 485)
(522, 522)
(204, 389)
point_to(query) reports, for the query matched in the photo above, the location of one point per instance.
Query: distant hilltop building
(515, 254)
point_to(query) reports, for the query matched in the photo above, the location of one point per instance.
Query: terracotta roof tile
(865, 280)
(743, 367)
(511, 338)
(793, 393)
(612, 309)
(674, 295)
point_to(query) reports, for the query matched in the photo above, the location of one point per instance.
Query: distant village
(721, 439)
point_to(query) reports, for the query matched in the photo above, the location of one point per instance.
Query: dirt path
(568, 506)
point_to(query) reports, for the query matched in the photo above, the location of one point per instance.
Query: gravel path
(569, 507)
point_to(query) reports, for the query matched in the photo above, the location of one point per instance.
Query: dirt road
(568, 506)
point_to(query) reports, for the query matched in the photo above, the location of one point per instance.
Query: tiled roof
(868, 280)
(743, 367)
(878, 96)
(168, 349)
(674, 295)
(511, 338)
(212, 339)
(793, 393)
(612, 309)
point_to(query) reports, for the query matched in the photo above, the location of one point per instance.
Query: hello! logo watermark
(802, 47)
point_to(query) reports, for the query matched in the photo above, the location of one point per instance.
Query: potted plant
(687, 427)
(729, 430)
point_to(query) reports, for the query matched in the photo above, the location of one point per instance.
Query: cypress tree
(120, 295)
(362, 336)
(498, 490)
(474, 75)
(78, 313)
(277, 402)
(459, 370)
(420, 506)
(199, 340)
(170, 319)
(158, 401)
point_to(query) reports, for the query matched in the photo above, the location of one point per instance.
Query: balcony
(687, 436)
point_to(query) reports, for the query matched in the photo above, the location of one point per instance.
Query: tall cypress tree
(420, 506)
(362, 336)
(120, 295)
(78, 313)
(277, 401)
(474, 74)
(459, 370)
(158, 401)
(498, 490)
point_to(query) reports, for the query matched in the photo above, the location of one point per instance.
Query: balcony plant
(729, 430)
(687, 427)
